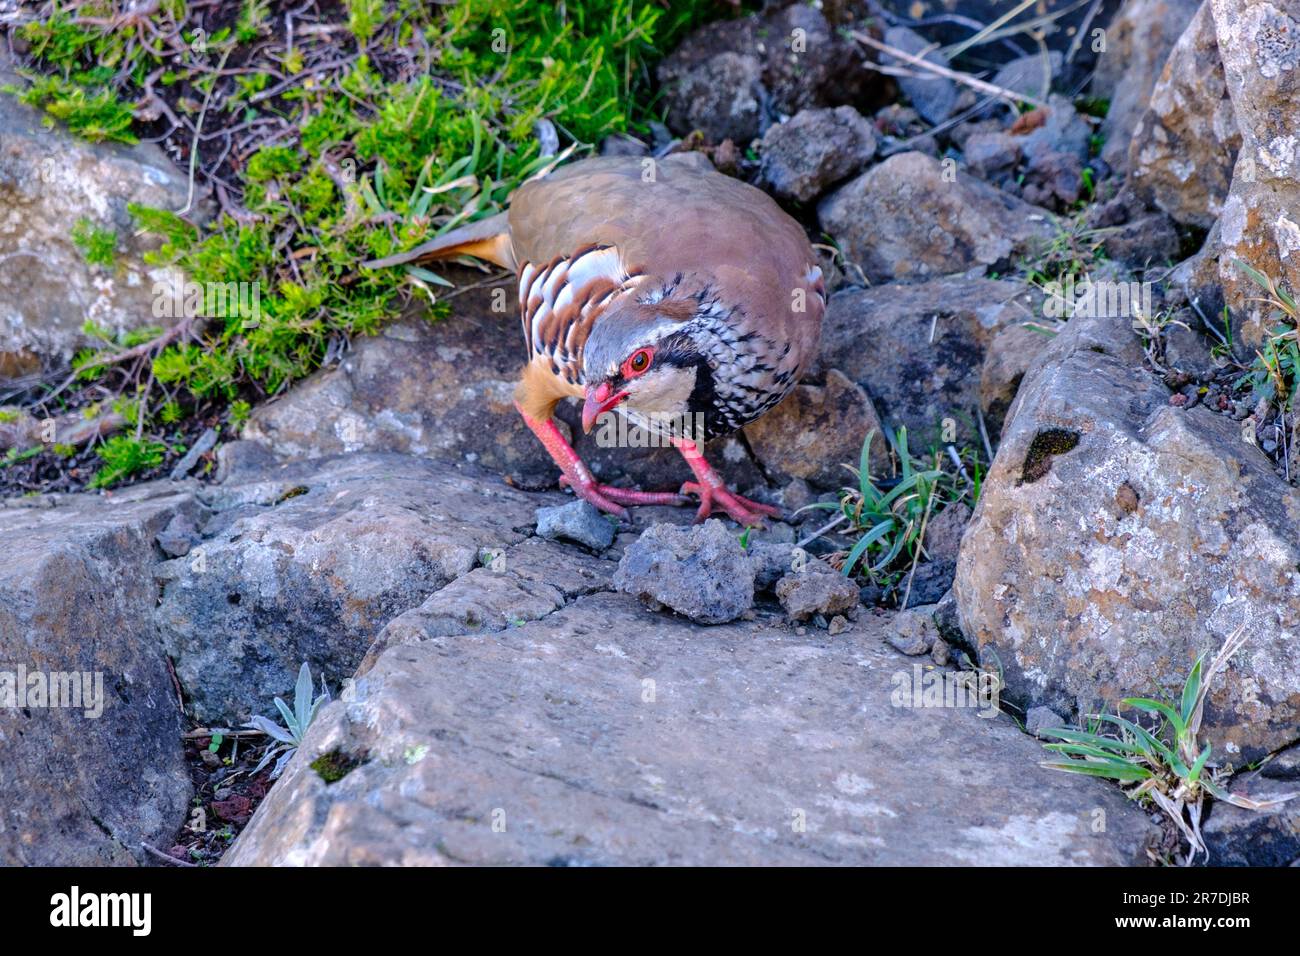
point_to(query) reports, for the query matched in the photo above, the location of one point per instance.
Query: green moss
(335, 765)
(1047, 444)
(97, 245)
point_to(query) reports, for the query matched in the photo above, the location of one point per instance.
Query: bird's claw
(743, 511)
(612, 500)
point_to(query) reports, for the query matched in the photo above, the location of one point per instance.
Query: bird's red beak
(599, 400)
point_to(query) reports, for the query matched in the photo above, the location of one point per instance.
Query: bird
(658, 289)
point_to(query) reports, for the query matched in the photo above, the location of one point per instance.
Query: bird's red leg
(576, 474)
(713, 491)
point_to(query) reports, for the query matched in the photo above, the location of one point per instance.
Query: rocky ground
(516, 679)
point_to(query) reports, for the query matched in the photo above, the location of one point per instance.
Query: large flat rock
(86, 785)
(608, 734)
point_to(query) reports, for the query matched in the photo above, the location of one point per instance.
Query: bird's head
(642, 359)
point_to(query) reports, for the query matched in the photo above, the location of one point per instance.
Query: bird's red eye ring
(639, 362)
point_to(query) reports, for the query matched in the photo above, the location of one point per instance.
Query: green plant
(1166, 764)
(124, 456)
(96, 245)
(1272, 376)
(1075, 249)
(890, 521)
(288, 738)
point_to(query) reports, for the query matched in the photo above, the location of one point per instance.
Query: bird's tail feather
(485, 239)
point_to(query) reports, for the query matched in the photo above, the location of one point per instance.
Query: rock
(1187, 350)
(928, 348)
(577, 521)
(49, 181)
(907, 217)
(717, 79)
(444, 389)
(940, 652)
(621, 144)
(1031, 75)
(931, 581)
(914, 631)
(308, 561)
(1185, 143)
(838, 625)
(944, 530)
(1038, 719)
(1056, 128)
(179, 536)
(814, 591)
(1259, 44)
(901, 125)
(1009, 354)
(1150, 240)
(992, 155)
(720, 97)
(86, 784)
(1118, 537)
(601, 735)
(815, 149)
(1138, 42)
(522, 583)
(1235, 836)
(700, 572)
(771, 561)
(933, 97)
(1053, 180)
(815, 431)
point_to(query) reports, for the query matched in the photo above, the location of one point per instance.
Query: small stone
(179, 536)
(884, 220)
(934, 97)
(839, 624)
(930, 582)
(914, 632)
(770, 561)
(992, 155)
(577, 521)
(700, 572)
(816, 149)
(620, 144)
(1041, 718)
(939, 652)
(1030, 75)
(814, 591)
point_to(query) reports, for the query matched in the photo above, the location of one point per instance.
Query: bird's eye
(639, 362)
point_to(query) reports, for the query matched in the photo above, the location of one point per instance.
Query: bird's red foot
(611, 499)
(749, 514)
